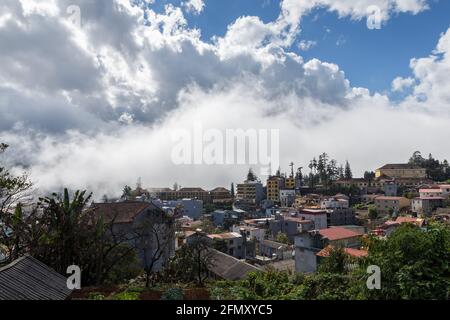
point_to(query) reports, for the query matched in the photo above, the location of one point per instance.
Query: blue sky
(370, 58)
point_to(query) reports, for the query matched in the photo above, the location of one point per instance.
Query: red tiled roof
(417, 221)
(338, 233)
(325, 252)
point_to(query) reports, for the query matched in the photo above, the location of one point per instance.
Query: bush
(127, 295)
(173, 294)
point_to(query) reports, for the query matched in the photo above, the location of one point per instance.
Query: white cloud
(305, 45)
(194, 6)
(94, 107)
(400, 84)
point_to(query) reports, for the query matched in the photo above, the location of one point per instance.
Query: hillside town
(292, 224)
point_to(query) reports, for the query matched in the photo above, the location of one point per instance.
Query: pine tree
(348, 171)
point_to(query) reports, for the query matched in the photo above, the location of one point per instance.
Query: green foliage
(282, 238)
(436, 170)
(372, 212)
(173, 294)
(126, 295)
(251, 176)
(191, 262)
(96, 296)
(414, 263)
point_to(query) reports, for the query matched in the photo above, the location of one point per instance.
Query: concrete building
(402, 170)
(334, 203)
(308, 244)
(233, 243)
(250, 191)
(221, 195)
(430, 193)
(317, 216)
(287, 197)
(274, 184)
(191, 208)
(220, 218)
(390, 189)
(155, 230)
(386, 205)
(290, 226)
(251, 232)
(275, 250)
(426, 205)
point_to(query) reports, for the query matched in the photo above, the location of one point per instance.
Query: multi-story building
(426, 205)
(334, 203)
(287, 197)
(274, 184)
(221, 195)
(233, 243)
(360, 183)
(290, 226)
(391, 204)
(289, 183)
(191, 208)
(250, 191)
(309, 244)
(317, 216)
(402, 170)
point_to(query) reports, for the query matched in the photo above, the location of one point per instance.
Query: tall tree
(251, 175)
(348, 171)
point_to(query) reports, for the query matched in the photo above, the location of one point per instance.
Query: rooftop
(338, 233)
(123, 212)
(357, 253)
(225, 236)
(29, 279)
(399, 166)
(228, 267)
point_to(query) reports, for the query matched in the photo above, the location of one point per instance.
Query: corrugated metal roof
(228, 267)
(29, 279)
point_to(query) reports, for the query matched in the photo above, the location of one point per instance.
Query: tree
(413, 262)
(154, 238)
(13, 189)
(232, 190)
(251, 175)
(372, 212)
(335, 262)
(348, 171)
(191, 262)
(126, 191)
(282, 238)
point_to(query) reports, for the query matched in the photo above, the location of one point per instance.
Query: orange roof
(338, 233)
(325, 252)
(417, 221)
(430, 190)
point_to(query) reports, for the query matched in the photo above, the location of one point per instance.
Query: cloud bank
(94, 106)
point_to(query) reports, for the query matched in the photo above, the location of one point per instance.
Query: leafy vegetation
(414, 264)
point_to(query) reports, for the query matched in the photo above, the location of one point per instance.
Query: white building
(287, 197)
(318, 217)
(334, 203)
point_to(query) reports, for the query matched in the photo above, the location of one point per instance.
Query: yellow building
(403, 170)
(290, 183)
(273, 188)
